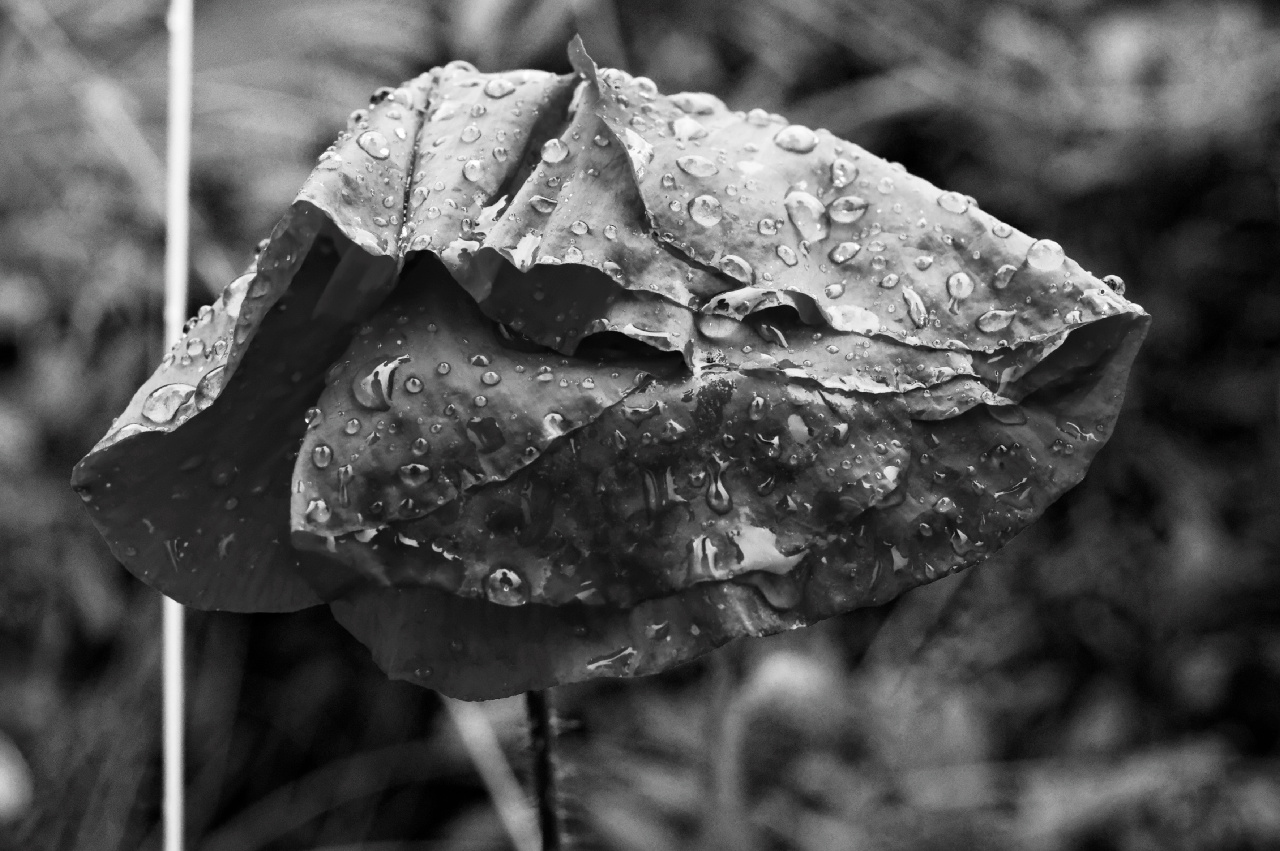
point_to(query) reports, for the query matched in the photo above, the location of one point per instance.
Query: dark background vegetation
(1110, 681)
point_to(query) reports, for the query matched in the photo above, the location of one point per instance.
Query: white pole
(177, 228)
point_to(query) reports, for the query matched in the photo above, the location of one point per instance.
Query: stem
(542, 735)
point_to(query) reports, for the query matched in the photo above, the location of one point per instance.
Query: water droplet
(758, 117)
(706, 210)
(1045, 255)
(443, 368)
(413, 384)
(542, 204)
(480, 401)
(321, 456)
(959, 285)
(505, 587)
(374, 144)
(923, 262)
(415, 475)
(1004, 275)
(756, 410)
(796, 138)
(490, 378)
(479, 360)
(500, 153)
(833, 290)
(953, 202)
(352, 426)
(162, 405)
(419, 446)
(580, 227)
(718, 497)
(915, 307)
(473, 170)
(1001, 230)
(885, 186)
(499, 87)
(589, 383)
(735, 267)
(807, 214)
(889, 281)
(994, 320)
(470, 133)
(844, 252)
(311, 416)
(374, 390)
(318, 511)
(787, 255)
(686, 127)
(768, 226)
(1115, 282)
(697, 166)
(554, 151)
(847, 209)
(843, 172)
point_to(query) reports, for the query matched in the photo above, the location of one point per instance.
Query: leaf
(696, 388)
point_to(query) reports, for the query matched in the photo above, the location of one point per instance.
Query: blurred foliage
(1110, 681)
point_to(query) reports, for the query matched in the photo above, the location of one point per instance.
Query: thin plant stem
(542, 737)
(482, 746)
(177, 231)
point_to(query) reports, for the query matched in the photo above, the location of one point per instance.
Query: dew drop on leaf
(844, 252)
(843, 172)
(953, 202)
(915, 307)
(994, 320)
(473, 170)
(706, 210)
(542, 204)
(847, 209)
(162, 405)
(796, 138)
(499, 87)
(685, 127)
(959, 285)
(554, 151)
(318, 511)
(1045, 255)
(807, 214)
(415, 475)
(505, 587)
(321, 456)
(735, 267)
(374, 144)
(697, 166)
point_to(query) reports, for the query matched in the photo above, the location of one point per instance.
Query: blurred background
(1110, 681)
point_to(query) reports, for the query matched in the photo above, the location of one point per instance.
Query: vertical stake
(177, 228)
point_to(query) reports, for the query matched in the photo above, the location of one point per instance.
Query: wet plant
(548, 378)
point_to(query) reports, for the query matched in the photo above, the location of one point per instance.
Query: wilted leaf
(625, 376)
